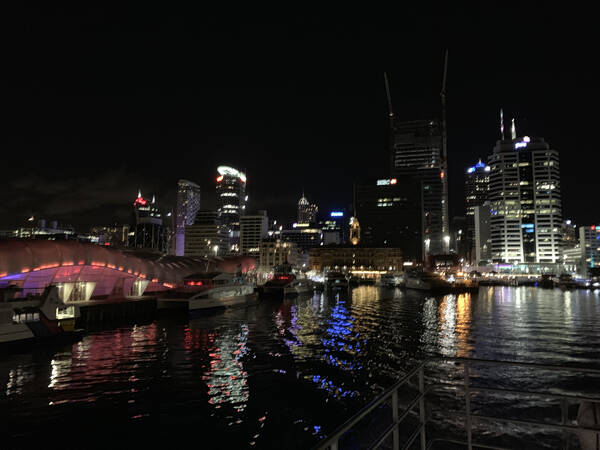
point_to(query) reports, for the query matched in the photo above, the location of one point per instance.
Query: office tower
(526, 215)
(303, 235)
(481, 235)
(389, 211)
(307, 212)
(231, 202)
(570, 236)
(477, 185)
(589, 239)
(148, 232)
(207, 237)
(253, 229)
(335, 229)
(417, 152)
(188, 204)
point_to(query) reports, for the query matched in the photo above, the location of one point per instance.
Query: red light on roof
(219, 178)
(140, 201)
(393, 181)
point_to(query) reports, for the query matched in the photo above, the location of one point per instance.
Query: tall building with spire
(526, 209)
(307, 212)
(188, 204)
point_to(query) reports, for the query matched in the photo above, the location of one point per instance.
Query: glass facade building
(188, 204)
(231, 202)
(526, 211)
(417, 153)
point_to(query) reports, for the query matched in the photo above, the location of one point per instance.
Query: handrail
(512, 363)
(334, 437)
(332, 441)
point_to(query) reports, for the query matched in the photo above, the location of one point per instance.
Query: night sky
(100, 102)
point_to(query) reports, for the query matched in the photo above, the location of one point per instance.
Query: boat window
(25, 317)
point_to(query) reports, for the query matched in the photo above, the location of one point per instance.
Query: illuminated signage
(337, 214)
(386, 181)
(520, 145)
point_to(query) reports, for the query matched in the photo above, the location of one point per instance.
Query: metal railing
(332, 441)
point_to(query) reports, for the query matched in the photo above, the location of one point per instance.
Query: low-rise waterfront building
(275, 252)
(356, 259)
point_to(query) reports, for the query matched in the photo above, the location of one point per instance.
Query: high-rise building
(570, 236)
(188, 204)
(482, 240)
(148, 232)
(307, 212)
(231, 202)
(417, 152)
(526, 212)
(335, 228)
(389, 211)
(477, 185)
(253, 229)
(589, 239)
(207, 237)
(303, 235)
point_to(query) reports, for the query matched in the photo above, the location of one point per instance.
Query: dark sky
(101, 102)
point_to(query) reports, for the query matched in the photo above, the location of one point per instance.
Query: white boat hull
(217, 298)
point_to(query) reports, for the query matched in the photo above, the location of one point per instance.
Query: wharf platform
(107, 312)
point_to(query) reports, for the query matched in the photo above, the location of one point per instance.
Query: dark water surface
(276, 375)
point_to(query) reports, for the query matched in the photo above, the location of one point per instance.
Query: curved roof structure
(33, 264)
(230, 171)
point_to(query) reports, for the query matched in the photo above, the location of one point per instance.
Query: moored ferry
(209, 291)
(287, 285)
(35, 318)
(426, 281)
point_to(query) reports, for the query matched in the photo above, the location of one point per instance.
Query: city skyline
(94, 133)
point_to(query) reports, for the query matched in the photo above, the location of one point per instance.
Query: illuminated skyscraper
(148, 232)
(526, 211)
(307, 212)
(188, 204)
(231, 202)
(477, 185)
(417, 153)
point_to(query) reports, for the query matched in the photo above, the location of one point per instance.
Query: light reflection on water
(281, 374)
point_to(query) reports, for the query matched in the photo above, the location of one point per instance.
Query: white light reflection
(226, 379)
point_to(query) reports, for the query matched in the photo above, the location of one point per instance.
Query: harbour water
(276, 375)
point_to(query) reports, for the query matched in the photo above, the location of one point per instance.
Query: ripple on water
(285, 374)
